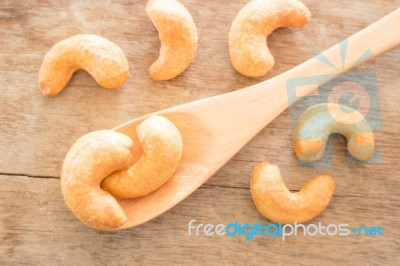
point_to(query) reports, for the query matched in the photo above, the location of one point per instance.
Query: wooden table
(37, 228)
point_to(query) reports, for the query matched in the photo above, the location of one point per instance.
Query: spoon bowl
(216, 128)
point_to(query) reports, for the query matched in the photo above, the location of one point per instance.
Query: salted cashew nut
(93, 157)
(178, 36)
(273, 199)
(255, 21)
(103, 59)
(162, 152)
(314, 126)
(100, 165)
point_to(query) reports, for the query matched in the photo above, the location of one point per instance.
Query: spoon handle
(371, 41)
(256, 106)
(271, 97)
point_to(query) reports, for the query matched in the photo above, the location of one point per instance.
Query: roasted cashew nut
(278, 204)
(314, 126)
(162, 152)
(97, 156)
(103, 59)
(178, 36)
(93, 157)
(255, 21)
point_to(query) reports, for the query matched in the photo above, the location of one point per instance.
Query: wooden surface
(37, 228)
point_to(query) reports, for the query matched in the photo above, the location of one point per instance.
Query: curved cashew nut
(178, 36)
(256, 20)
(93, 157)
(162, 148)
(103, 59)
(278, 204)
(314, 126)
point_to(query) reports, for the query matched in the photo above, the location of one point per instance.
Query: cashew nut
(97, 156)
(103, 59)
(178, 36)
(278, 204)
(93, 157)
(256, 20)
(162, 152)
(314, 126)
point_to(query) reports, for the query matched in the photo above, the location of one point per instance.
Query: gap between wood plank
(203, 186)
(32, 176)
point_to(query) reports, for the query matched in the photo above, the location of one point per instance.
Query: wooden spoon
(216, 128)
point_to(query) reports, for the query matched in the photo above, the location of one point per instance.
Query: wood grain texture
(43, 231)
(37, 228)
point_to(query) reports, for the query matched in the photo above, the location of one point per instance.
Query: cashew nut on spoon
(178, 37)
(93, 157)
(255, 21)
(97, 155)
(162, 148)
(318, 122)
(278, 204)
(103, 59)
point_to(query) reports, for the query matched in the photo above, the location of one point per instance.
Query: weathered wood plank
(37, 228)
(39, 130)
